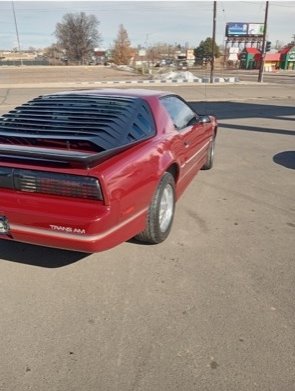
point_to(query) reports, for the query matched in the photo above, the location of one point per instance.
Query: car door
(191, 144)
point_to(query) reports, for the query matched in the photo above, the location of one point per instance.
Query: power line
(282, 5)
(223, 11)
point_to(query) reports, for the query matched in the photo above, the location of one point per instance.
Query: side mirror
(204, 119)
(195, 120)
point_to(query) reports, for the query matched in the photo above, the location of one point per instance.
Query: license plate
(4, 226)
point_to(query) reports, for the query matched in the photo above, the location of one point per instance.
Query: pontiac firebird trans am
(87, 170)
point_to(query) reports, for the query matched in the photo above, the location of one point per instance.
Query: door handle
(186, 144)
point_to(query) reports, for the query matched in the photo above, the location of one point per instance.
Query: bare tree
(160, 51)
(122, 51)
(55, 54)
(78, 35)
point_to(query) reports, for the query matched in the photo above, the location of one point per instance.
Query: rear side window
(180, 113)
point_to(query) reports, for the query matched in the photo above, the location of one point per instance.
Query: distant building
(24, 57)
(288, 57)
(249, 57)
(271, 61)
(190, 57)
(100, 56)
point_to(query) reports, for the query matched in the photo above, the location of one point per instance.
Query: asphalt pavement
(210, 309)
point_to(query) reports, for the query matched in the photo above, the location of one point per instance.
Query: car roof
(118, 92)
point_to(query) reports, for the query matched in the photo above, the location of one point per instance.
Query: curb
(107, 83)
(159, 81)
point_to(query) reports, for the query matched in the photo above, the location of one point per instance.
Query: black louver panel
(77, 121)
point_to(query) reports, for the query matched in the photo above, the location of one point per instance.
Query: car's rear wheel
(210, 156)
(161, 212)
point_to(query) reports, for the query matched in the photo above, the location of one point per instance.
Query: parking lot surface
(211, 308)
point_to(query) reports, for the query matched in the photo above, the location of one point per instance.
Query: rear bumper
(89, 243)
(67, 224)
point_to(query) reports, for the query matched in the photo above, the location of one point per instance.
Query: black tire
(210, 156)
(158, 227)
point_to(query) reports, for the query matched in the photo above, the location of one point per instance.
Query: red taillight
(65, 185)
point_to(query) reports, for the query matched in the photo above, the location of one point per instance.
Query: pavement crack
(3, 101)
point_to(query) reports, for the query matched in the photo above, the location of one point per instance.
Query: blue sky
(146, 22)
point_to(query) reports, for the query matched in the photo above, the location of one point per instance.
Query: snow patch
(173, 75)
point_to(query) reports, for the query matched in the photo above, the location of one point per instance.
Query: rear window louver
(79, 121)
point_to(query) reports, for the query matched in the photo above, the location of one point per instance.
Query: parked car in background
(87, 170)
(182, 65)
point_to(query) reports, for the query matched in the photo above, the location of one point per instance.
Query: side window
(180, 113)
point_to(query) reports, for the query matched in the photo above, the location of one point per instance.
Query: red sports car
(87, 170)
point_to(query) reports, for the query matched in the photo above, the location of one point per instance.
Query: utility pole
(213, 41)
(16, 30)
(260, 75)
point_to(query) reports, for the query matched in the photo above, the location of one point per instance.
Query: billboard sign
(256, 29)
(233, 57)
(239, 29)
(236, 29)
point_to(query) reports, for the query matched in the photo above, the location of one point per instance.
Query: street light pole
(213, 42)
(16, 30)
(260, 76)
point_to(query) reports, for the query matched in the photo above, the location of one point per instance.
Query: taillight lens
(65, 185)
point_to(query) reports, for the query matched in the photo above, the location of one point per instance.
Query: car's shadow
(37, 255)
(242, 110)
(236, 110)
(286, 159)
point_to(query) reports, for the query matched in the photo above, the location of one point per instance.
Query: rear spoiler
(57, 157)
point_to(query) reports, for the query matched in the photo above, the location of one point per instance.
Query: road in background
(67, 74)
(212, 308)
(13, 95)
(276, 76)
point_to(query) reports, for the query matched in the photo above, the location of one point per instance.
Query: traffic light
(267, 46)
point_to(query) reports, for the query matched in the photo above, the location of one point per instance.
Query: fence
(23, 62)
